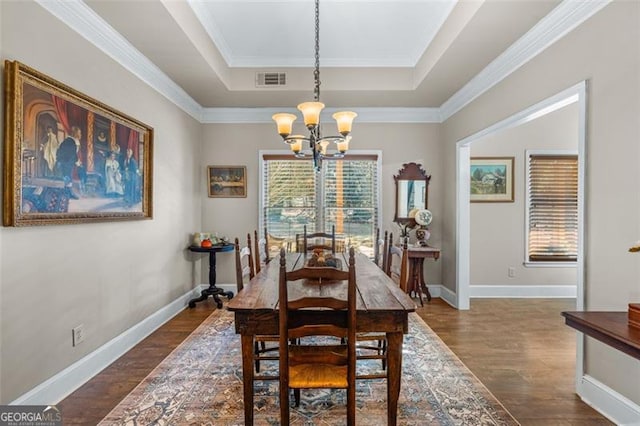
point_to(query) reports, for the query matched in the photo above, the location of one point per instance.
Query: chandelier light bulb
(311, 112)
(284, 122)
(343, 145)
(296, 145)
(344, 120)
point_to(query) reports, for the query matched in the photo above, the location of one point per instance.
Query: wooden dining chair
(327, 240)
(385, 250)
(261, 250)
(315, 363)
(245, 271)
(396, 261)
(398, 264)
(376, 247)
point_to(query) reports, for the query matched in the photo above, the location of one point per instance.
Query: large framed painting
(227, 181)
(491, 179)
(69, 158)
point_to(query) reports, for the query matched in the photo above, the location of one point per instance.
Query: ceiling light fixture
(311, 114)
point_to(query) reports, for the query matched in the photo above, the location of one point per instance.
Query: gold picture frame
(69, 158)
(491, 180)
(227, 181)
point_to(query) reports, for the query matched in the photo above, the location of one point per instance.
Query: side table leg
(423, 284)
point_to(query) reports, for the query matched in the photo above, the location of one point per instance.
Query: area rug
(200, 383)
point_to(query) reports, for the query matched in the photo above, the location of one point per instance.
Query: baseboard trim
(614, 406)
(523, 291)
(443, 293)
(71, 378)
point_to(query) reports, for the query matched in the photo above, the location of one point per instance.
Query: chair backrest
(294, 324)
(398, 264)
(244, 264)
(310, 241)
(261, 250)
(376, 247)
(388, 239)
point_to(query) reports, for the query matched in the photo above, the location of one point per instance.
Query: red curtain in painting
(61, 110)
(130, 138)
(71, 115)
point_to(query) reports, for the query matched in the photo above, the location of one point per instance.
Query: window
(344, 194)
(552, 211)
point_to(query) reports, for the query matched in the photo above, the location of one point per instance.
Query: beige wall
(498, 229)
(604, 51)
(238, 144)
(107, 276)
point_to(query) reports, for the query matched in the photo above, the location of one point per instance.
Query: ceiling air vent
(271, 79)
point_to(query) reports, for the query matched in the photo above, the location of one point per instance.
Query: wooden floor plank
(519, 348)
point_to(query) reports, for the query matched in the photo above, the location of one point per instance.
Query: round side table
(213, 291)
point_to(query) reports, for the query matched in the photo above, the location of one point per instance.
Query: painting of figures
(68, 158)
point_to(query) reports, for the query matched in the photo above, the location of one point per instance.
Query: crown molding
(365, 115)
(82, 19)
(563, 19)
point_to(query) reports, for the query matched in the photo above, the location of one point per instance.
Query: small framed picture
(491, 179)
(227, 181)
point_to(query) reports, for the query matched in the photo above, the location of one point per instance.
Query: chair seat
(318, 376)
(312, 370)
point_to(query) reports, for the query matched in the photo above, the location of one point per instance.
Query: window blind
(344, 194)
(553, 208)
(289, 198)
(351, 198)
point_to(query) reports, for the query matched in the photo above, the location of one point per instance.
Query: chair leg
(296, 397)
(351, 407)
(256, 353)
(284, 405)
(384, 352)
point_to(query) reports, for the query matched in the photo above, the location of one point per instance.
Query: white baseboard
(71, 378)
(523, 291)
(444, 293)
(608, 402)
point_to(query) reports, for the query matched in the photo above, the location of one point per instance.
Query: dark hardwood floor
(519, 348)
(522, 352)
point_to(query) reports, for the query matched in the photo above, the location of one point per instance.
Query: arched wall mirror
(412, 191)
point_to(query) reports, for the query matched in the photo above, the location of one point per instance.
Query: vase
(422, 235)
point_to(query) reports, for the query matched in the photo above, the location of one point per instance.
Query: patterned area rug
(200, 383)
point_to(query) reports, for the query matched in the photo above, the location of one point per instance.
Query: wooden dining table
(382, 307)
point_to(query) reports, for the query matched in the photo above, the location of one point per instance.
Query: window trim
(542, 264)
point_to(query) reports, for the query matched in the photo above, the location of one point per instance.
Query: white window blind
(350, 194)
(553, 208)
(344, 194)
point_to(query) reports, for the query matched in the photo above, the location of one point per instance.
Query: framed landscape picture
(69, 158)
(227, 181)
(491, 179)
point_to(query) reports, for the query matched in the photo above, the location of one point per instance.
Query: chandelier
(318, 144)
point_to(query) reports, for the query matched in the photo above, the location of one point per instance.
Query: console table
(212, 290)
(611, 328)
(416, 282)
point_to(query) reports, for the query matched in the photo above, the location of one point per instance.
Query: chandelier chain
(316, 72)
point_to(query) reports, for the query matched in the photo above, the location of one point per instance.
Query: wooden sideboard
(611, 328)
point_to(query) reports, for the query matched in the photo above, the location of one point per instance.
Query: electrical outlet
(77, 335)
(511, 272)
